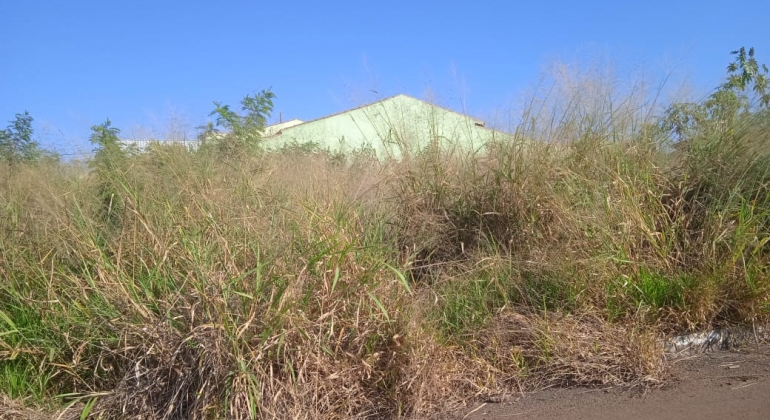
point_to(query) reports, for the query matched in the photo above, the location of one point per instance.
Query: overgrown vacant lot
(173, 284)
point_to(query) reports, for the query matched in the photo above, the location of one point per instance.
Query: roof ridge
(475, 120)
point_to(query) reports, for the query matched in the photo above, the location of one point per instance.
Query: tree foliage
(16, 142)
(722, 144)
(742, 96)
(744, 73)
(109, 164)
(105, 137)
(231, 132)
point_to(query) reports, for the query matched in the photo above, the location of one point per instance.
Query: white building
(143, 144)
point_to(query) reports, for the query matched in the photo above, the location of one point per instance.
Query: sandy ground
(718, 385)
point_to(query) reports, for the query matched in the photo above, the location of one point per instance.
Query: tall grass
(296, 285)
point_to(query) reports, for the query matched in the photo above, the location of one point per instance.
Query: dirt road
(712, 386)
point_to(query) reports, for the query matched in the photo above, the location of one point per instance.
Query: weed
(299, 284)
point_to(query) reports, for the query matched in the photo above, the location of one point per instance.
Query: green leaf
(87, 409)
(379, 305)
(401, 278)
(8, 321)
(336, 278)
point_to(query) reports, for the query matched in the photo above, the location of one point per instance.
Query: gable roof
(476, 121)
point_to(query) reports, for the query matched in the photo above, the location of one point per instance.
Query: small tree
(243, 132)
(744, 94)
(723, 147)
(744, 73)
(108, 150)
(108, 163)
(16, 142)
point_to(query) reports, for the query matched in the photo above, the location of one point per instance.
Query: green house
(390, 128)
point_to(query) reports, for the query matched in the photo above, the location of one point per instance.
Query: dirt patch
(715, 385)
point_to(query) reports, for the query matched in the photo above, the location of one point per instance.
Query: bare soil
(716, 385)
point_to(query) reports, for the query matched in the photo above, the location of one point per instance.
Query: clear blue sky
(74, 63)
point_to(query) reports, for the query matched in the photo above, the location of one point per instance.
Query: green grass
(21, 379)
(467, 304)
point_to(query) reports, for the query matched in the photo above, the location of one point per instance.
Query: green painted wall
(389, 127)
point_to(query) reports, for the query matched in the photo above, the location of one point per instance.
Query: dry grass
(15, 410)
(571, 350)
(300, 285)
